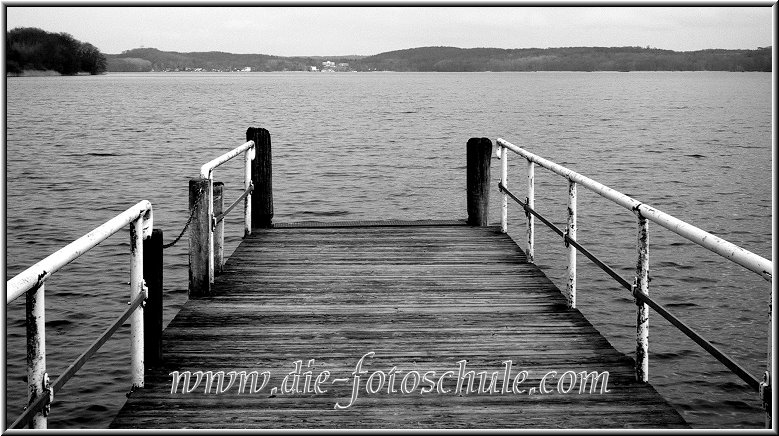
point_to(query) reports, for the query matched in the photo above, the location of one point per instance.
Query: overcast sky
(294, 31)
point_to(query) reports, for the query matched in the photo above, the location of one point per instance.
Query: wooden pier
(375, 324)
(422, 296)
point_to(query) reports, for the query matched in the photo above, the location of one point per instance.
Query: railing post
(478, 155)
(531, 203)
(36, 351)
(152, 313)
(200, 238)
(219, 230)
(136, 288)
(247, 183)
(504, 176)
(642, 309)
(262, 175)
(571, 232)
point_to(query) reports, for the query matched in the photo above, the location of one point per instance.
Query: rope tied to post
(192, 213)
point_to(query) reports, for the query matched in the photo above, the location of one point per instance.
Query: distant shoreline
(40, 73)
(34, 73)
(453, 59)
(50, 73)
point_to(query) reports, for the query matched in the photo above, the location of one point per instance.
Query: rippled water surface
(392, 146)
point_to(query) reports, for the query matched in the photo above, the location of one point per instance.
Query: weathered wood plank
(425, 298)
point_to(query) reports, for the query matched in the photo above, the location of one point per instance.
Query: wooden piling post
(478, 155)
(200, 239)
(262, 174)
(152, 313)
(219, 231)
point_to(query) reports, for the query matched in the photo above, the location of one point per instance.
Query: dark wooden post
(152, 312)
(199, 239)
(478, 154)
(219, 231)
(262, 174)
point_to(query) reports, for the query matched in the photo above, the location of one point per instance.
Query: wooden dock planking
(422, 297)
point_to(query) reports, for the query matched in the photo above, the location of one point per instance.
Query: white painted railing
(206, 239)
(713, 243)
(206, 172)
(639, 288)
(31, 282)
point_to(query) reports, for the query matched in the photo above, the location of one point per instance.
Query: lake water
(351, 146)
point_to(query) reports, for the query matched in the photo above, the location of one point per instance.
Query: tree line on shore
(446, 59)
(36, 49)
(29, 48)
(152, 59)
(570, 59)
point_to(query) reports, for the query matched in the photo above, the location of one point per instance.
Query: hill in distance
(451, 59)
(151, 59)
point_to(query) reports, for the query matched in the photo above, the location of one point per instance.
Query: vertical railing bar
(642, 310)
(530, 201)
(36, 351)
(211, 223)
(35, 407)
(504, 165)
(218, 226)
(247, 183)
(136, 288)
(571, 234)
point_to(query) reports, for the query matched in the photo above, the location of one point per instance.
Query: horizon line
(648, 47)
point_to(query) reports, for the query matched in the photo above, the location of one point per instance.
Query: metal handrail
(44, 400)
(639, 288)
(214, 242)
(38, 273)
(228, 209)
(728, 250)
(726, 360)
(206, 172)
(31, 282)
(207, 168)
